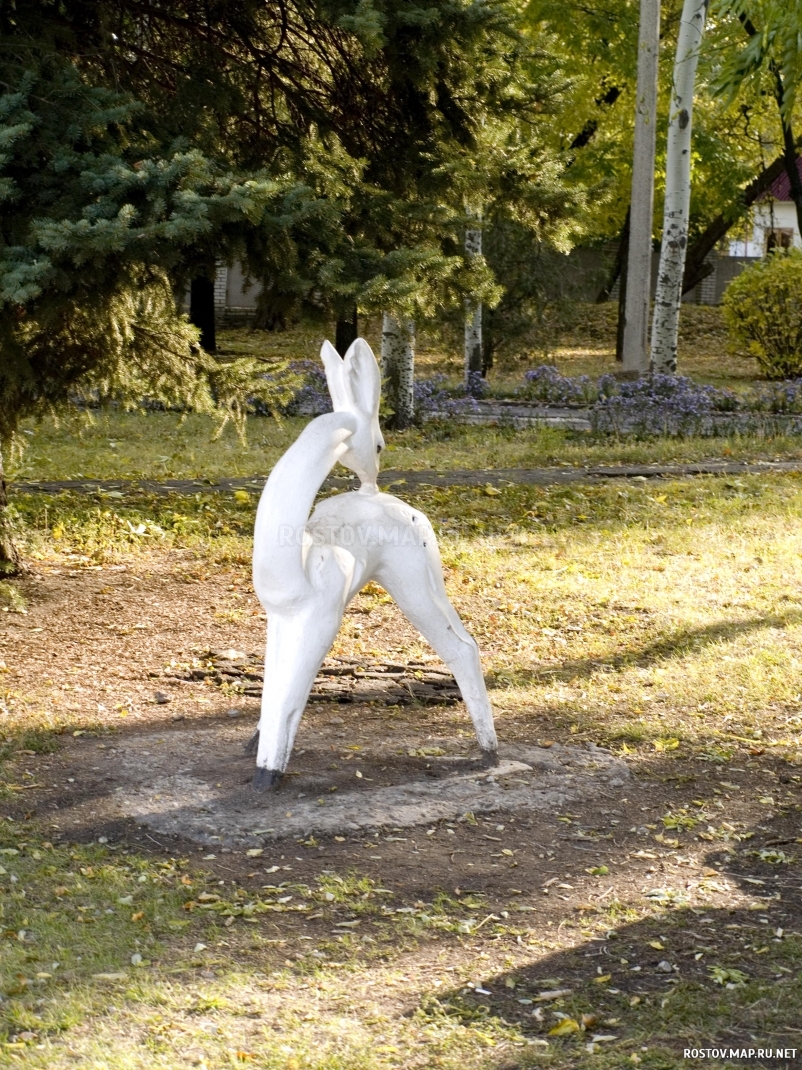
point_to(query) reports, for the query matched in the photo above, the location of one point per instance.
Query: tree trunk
(790, 156)
(621, 254)
(665, 324)
(398, 367)
(789, 144)
(346, 331)
(472, 348)
(10, 560)
(622, 307)
(201, 311)
(695, 267)
(639, 260)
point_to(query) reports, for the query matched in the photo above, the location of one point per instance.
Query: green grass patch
(158, 445)
(117, 960)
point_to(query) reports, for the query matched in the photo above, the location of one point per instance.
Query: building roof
(780, 189)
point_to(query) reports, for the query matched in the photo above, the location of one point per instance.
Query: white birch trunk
(639, 261)
(665, 325)
(398, 366)
(473, 315)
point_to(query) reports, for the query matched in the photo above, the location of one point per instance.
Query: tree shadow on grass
(692, 975)
(650, 983)
(677, 645)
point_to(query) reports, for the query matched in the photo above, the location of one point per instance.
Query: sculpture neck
(369, 489)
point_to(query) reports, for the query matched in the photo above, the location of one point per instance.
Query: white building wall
(239, 292)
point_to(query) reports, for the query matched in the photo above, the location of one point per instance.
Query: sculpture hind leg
(415, 582)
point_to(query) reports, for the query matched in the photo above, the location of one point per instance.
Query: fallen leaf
(255, 852)
(564, 1028)
(665, 744)
(605, 977)
(657, 945)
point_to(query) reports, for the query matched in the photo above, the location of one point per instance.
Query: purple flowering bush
(476, 387)
(652, 405)
(657, 405)
(312, 398)
(432, 396)
(546, 384)
(783, 398)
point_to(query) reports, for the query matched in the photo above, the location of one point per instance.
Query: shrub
(782, 398)
(657, 405)
(546, 384)
(763, 308)
(432, 395)
(312, 397)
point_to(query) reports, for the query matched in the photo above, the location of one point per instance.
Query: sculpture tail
(286, 502)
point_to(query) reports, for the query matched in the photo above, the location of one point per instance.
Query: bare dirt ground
(99, 645)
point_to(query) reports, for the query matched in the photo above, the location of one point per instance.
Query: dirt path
(457, 477)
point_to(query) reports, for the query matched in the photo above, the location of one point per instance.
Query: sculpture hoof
(252, 746)
(489, 758)
(266, 779)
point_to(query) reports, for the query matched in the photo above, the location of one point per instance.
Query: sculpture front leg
(296, 647)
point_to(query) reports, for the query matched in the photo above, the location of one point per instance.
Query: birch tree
(639, 259)
(665, 323)
(398, 366)
(473, 316)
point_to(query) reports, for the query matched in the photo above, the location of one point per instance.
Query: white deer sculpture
(306, 569)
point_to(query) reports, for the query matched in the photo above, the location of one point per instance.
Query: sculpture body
(306, 569)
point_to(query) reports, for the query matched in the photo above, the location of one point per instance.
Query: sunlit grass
(621, 612)
(156, 445)
(663, 619)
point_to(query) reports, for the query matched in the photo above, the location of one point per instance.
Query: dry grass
(586, 346)
(661, 619)
(120, 446)
(624, 612)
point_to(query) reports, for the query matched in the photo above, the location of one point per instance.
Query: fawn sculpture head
(355, 386)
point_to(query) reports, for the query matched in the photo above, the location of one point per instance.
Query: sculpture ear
(364, 377)
(337, 379)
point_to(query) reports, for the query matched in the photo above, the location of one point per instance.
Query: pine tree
(96, 239)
